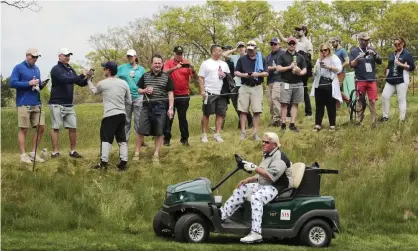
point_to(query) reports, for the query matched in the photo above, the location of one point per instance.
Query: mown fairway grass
(66, 206)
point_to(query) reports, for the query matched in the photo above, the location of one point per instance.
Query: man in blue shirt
(131, 72)
(26, 79)
(341, 53)
(63, 78)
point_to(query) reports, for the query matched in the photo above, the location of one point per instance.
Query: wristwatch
(170, 107)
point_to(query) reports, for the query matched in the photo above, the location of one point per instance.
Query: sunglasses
(34, 57)
(365, 40)
(273, 44)
(324, 50)
(291, 43)
(251, 45)
(397, 44)
(265, 142)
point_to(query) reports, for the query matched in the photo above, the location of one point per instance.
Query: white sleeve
(226, 67)
(337, 63)
(95, 90)
(202, 70)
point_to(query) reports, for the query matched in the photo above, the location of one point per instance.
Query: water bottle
(395, 68)
(274, 65)
(294, 58)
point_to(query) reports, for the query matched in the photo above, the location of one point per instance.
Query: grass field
(64, 205)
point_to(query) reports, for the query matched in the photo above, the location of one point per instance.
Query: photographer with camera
(364, 59)
(180, 71)
(26, 79)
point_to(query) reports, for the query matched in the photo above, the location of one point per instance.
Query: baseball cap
(240, 43)
(290, 39)
(65, 51)
(227, 47)
(251, 45)
(363, 35)
(34, 52)
(275, 40)
(110, 65)
(178, 49)
(131, 52)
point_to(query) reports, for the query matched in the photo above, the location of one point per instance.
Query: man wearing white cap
(26, 79)
(272, 175)
(131, 72)
(63, 78)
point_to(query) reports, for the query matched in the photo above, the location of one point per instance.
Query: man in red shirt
(180, 71)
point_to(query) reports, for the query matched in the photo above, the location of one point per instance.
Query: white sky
(70, 24)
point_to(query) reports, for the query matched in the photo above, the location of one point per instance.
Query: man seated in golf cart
(273, 175)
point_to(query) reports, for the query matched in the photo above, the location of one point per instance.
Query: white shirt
(318, 72)
(303, 44)
(209, 71)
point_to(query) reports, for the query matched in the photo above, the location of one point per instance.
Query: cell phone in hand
(185, 65)
(322, 64)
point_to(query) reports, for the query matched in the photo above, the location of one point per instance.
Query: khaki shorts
(28, 116)
(250, 96)
(63, 115)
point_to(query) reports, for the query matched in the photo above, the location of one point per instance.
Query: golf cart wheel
(316, 233)
(191, 228)
(159, 228)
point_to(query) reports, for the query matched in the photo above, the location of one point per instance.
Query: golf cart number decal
(285, 215)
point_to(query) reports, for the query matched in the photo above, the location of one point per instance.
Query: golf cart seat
(298, 169)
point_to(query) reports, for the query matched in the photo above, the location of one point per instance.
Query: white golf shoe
(252, 237)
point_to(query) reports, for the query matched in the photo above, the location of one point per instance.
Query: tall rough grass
(376, 185)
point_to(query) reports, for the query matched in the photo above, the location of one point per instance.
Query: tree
(22, 5)
(7, 93)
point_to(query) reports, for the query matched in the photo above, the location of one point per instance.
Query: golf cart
(299, 213)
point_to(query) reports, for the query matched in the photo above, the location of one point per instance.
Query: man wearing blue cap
(115, 94)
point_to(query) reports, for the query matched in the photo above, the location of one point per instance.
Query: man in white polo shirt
(211, 75)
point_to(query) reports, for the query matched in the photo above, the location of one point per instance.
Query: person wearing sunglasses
(131, 72)
(252, 69)
(273, 82)
(26, 79)
(272, 175)
(63, 78)
(305, 48)
(292, 66)
(400, 64)
(241, 51)
(364, 59)
(341, 53)
(326, 88)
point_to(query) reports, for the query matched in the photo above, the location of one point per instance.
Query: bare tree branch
(21, 5)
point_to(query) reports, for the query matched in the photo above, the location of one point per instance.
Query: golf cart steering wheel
(239, 163)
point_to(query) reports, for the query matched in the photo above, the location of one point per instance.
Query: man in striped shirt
(157, 88)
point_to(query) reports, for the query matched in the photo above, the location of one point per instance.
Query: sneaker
(76, 155)
(252, 237)
(122, 166)
(276, 124)
(166, 142)
(243, 136)
(317, 128)
(37, 158)
(156, 160)
(283, 127)
(185, 142)
(332, 129)
(384, 119)
(293, 128)
(101, 165)
(56, 155)
(218, 138)
(25, 159)
(136, 157)
(256, 137)
(205, 138)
